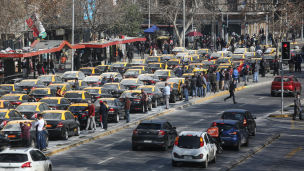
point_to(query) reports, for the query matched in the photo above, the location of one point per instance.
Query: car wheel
(174, 163)
(78, 131)
(254, 132)
(247, 142)
(155, 104)
(238, 146)
(134, 148)
(272, 94)
(66, 135)
(33, 143)
(117, 118)
(214, 159)
(50, 168)
(205, 163)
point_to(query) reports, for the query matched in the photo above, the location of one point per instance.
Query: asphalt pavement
(114, 152)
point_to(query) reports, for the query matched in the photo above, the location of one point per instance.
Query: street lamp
(184, 31)
(72, 67)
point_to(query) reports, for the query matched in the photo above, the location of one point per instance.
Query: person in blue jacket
(179, 71)
(235, 74)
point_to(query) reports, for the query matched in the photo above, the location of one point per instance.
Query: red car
(291, 85)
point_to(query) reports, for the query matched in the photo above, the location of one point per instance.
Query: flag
(31, 24)
(210, 57)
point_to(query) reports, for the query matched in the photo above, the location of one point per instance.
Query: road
(113, 152)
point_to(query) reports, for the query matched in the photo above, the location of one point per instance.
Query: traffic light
(224, 23)
(228, 29)
(286, 50)
(246, 24)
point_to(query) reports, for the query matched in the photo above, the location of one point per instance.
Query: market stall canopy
(194, 33)
(151, 29)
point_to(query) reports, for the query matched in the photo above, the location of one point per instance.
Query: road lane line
(261, 98)
(198, 121)
(293, 152)
(242, 105)
(160, 166)
(106, 146)
(106, 160)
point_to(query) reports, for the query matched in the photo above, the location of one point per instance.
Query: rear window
(49, 101)
(110, 86)
(51, 115)
(13, 158)
(26, 108)
(92, 91)
(152, 59)
(86, 70)
(224, 127)
(6, 87)
(162, 73)
(233, 116)
(146, 89)
(145, 77)
(153, 65)
(76, 108)
(128, 82)
(130, 95)
(45, 91)
(55, 86)
(2, 114)
(278, 79)
(137, 62)
(27, 83)
(132, 72)
(118, 65)
(149, 126)
(69, 75)
(92, 79)
(173, 63)
(10, 97)
(239, 50)
(188, 142)
(45, 78)
(162, 85)
(73, 95)
(12, 127)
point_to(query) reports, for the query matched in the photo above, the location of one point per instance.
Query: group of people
(295, 63)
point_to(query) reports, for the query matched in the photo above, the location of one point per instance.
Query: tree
(132, 19)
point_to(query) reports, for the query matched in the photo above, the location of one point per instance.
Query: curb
(97, 135)
(250, 152)
(280, 116)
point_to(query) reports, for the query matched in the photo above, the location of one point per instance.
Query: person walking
(91, 116)
(262, 65)
(217, 80)
(299, 61)
(297, 108)
(204, 84)
(235, 74)
(231, 91)
(245, 74)
(256, 71)
(102, 112)
(291, 64)
(213, 82)
(208, 79)
(25, 132)
(76, 84)
(40, 133)
(199, 86)
(222, 80)
(52, 67)
(127, 108)
(32, 98)
(179, 72)
(193, 86)
(276, 67)
(24, 69)
(166, 93)
(144, 99)
(186, 87)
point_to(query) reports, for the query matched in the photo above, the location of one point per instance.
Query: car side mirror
(174, 127)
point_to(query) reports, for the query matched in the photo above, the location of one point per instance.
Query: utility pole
(302, 30)
(227, 37)
(149, 14)
(266, 29)
(72, 67)
(184, 31)
(245, 25)
(223, 32)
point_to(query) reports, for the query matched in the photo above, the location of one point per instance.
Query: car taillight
(167, 78)
(111, 110)
(232, 133)
(245, 123)
(176, 140)
(201, 142)
(135, 76)
(3, 123)
(60, 125)
(152, 82)
(121, 99)
(97, 97)
(27, 164)
(35, 115)
(91, 75)
(170, 89)
(54, 107)
(33, 87)
(83, 115)
(51, 82)
(46, 96)
(97, 83)
(16, 103)
(133, 86)
(135, 132)
(161, 133)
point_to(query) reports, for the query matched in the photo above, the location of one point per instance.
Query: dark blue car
(233, 133)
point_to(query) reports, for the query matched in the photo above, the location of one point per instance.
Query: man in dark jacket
(91, 115)
(213, 82)
(179, 71)
(199, 84)
(127, 108)
(276, 67)
(231, 91)
(32, 98)
(25, 132)
(262, 65)
(193, 86)
(185, 88)
(103, 112)
(297, 108)
(299, 61)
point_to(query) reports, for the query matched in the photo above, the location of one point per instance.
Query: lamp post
(184, 31)
(72, 67)
(149, 14)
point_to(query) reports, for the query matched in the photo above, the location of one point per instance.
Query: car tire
(50, 168)
(174, 163)
(205, 163)
(238, 146)
(254, 132)
(117, 118)
(78, 131)
(214, 159)
(150, 107)
(134, 148)
(174, 99)
(33, 143)
(155, 104)
(247, 142)
(272, 94)
(65, 136)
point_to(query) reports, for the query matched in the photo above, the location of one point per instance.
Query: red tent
(194, 33)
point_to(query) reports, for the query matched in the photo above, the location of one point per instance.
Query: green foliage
(132, 20)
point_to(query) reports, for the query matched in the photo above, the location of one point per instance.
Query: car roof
(76, 91)
(153, 121)
(55, 98)
(5, 110)
(112, 83)
(79, 104)
(147, 86)
(7, 84)
(30, 80)
(55, 111)
(135, 91)
(88, 68)
(40, 88)
(16, 150)
(194, 133)
(31, 103)
(236, 110)
(130, 79)
(92, 88)
(72, 71)
(110, 73)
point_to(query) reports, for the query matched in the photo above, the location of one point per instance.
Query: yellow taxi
(155, 66)
(196, 65)
(177, 80)
(151, 59)
(189, 75)
(178, 50)
(90, 71)
(144, 68)
(236, 63)
(9, 115)
(83, 116)
(193, 52)
(50, 79)
(30, 110)
(5, 104)
(181, 55)
(136, 62)
(16, 99)
(120, 67)
(29, 84)
(188, 69)
(164, 74)
(97, 92)
(103, 68)
(39, 93)
(116, 76)
(72, 75)
(199, 70)
(11, 88)
(56, 103)
(76, 96)
(154, 92)
(224, 60)
(241, 50)
(64, 87)
(114, 88)
(238, 57)
(168, 57)
(133, 73)
(270, 51)
(81, 84)
(174, 62)
(190, 59)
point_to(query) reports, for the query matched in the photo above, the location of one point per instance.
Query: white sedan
(193, 146)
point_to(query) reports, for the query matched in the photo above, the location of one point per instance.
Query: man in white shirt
(166, 93)
(40, 134)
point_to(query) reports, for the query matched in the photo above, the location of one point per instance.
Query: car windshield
(73, 95)
(224, 127)
(149, 126)
(145, 77)
(216, 55)
(132, 73)
(55, 86)
(45, 78)
(109, 102)
(96, 79)
(173, 63)
(110, 86)
(26, 108)
(131, 95)
(44, 91)
(239, 50)
(10, 97)
(208, 62)
(189, 142)
(137, 62)
(137, 67)
(146, 89)
(250, 54)
(118, 65)
(233, 116)
(27, 83)
(162, 85)
(51, 115)
(151, 59)
(167, 56)
(13, 158)
(128, 82)
(278, 79)
(204, 51)
(222, 60)
(92, 91)
(49, 101)
(6, 87)
(77, 108)
(153, 65)
(2, 114)
(12, 127)
(181, 55)
(101, 67)
(237, 56)
(69, 75)
(86, 70)
(173, 80)
(161, 73)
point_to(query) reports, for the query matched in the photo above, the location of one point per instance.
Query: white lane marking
(198, 121)
(106, 160)
(261, 98)
(242, 105)
(160, 166)
(106, 146)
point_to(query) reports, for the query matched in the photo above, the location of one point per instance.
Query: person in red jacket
(25, 132)
(91, 115)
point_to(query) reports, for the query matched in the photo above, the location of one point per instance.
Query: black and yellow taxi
(12, 88)
(198, 57)
(90, 71)
(103, 68)
(72, 75)
(30, 110)
(168, 57)
(189, 75)
(250, 55)
(144, 68)
(270, 50)
(5, 104)
(179, 50)
(131, 83)
(63, 86)
(175, 94)
(155, 94)
(223, 67)
(190, 59)
(241, 50)
(205, 52)
(148, 79)
(215, 55)
(50, 79)
(199, 70)
(7, 115)
(81, 84)
(164, 74)
(155, 66)
(174, 63)
(114, 88)
(61, 124)
(13, 131)
(116, 108)
(224, 60)
(16, 99)
(133, 73)
(197, 65)
(82, 116)
(238, 57)
(136, 62)
(181, 55)
(78, 96)
(121, 67)
(152, 59)
(112, 76)
(93, 81)
(40, 93)
(2, 92)
(211, 64)
(136, 102)
(187, 69)
(97, 92)
(56, 103)
(29, 84)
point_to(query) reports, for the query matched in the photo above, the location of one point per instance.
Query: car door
(43, 160)
(173, 132)
(68, 122)
(167, 130)
(83, 85)
(212, 144)
(37, 163)
(240, 129)
(208, 147)
(297, 84)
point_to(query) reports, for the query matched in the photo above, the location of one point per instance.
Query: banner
(35, 25)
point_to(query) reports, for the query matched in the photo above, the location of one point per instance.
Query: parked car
(155, 94)
(142, 67)
(97, 92)
(30, 110)
(28, 85)
(291, 85)
(174, 91)
(133, 73)
(116, 108)
(116, 76)
(191, 146)
(131, 83)
(154, 134)
(82, 116)
(136, 102)
(148, 79)
(72, 75)
(16, 99)
(56, 103)
(90, 71)
(116, 89)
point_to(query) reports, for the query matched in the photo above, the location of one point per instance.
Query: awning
(151, 29)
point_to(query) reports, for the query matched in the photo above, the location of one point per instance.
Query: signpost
(286, 47)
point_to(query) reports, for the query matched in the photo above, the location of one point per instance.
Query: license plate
(187, 157)
(48, 125)
(25, 89)
(11, 136)
(37, 99)
(147, 141)
(130, 77)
